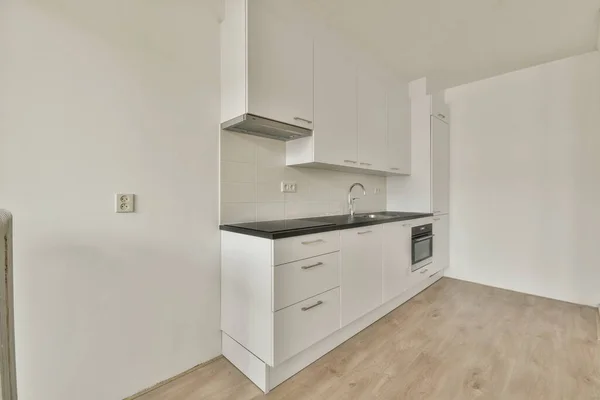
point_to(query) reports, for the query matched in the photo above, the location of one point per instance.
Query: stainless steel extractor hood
(258, 126)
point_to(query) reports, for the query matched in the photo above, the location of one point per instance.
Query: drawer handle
(350, 161)
(424, 271)
(366, 163)
(395, 169)
(436, 219)
(303, 119)
(312, 266)
(313, 242)
(364, 233)
(441, 116)
(318, 303)
(405, 224)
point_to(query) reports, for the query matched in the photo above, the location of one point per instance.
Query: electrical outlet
(376, 191)
(288, 187)
(124, 202)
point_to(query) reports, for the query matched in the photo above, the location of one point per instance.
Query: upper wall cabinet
(335, 132)
(399, 130)
(440, 166)
(372, 122)
(439, 108)
(266, 63)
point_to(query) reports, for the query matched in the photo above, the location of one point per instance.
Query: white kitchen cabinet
(302, 279)
(287, 302)
(440, 168)
(266, 63)
(396, 259)
(439, 108)
(361, 255)
(441, 243)
(399, 130)
(372, 122)
(299, 326)
(335, 129)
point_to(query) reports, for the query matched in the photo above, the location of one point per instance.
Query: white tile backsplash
(270, 211)
(238, 212)
(235, 192)
(252, 169)
(232, 171)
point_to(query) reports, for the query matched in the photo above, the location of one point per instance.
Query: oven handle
(423, 238)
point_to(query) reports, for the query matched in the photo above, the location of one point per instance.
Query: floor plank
(456, 341)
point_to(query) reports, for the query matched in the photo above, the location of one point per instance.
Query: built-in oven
(422, 246)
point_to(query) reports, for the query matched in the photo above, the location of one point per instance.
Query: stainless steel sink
(369, 216)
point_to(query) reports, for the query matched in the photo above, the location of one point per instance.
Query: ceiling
(452, 42)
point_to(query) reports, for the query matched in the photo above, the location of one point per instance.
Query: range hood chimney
(251, 124)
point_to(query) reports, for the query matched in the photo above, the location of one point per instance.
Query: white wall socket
(377, 191)
(288, 187)
(124, 202)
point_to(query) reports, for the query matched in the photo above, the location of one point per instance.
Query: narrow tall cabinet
(440, 180)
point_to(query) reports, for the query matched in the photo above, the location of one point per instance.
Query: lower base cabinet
(441, 242)
(300, 326)
(287, 302)
(396, 259)
(361, 271)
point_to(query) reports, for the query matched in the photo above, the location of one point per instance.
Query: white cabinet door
(280, 66)
(441, 243)
(396, 259)
(439, 108)
(335, 130)
(372, 123)
(440, 153)
(399, 131)
(361, 271)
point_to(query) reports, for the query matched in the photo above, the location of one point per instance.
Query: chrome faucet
(351, 199)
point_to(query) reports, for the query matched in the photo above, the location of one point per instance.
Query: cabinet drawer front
(304, 324)
(300, 280)
(301, 247)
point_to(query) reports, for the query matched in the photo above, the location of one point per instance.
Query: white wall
(97, 98)
(525, 180)
(252, 169)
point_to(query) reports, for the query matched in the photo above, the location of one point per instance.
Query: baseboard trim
(160, 384)
(598, 323)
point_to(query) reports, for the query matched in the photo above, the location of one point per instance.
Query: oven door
(422, 251)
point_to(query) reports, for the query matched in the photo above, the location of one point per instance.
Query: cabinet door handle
(395, 169)
(436, 211)
(365, 163)
(313, 242)
(318, 303)
(303, 119)
(442, 116)
(364, 233)
(424, 271)
(436, 219)
(312, 266)
(350, 161)
(405, 224)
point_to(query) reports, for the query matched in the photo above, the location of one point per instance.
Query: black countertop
(306, 226)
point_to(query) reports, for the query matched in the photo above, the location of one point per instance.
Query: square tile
(269, 192)
(238, 192)
(237, 147)
(270, 211)
(232, 213)
(232, 171)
